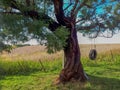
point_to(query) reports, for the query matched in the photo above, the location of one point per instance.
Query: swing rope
(93, 52)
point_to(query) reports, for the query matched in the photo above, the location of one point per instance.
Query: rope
(93, 51)
(94, 44)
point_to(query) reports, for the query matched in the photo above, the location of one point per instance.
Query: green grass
(104, 74)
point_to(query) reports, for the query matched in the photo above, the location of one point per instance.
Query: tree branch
(17, 13)
(28, 2)
(68, 6)
(59, 12)
(91, 26)
(34, 14)
(88, 6)
(80, 20)
(78, 8)
(74, 7)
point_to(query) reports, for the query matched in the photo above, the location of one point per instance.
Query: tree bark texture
(73, 69)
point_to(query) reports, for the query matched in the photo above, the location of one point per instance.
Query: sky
(99, 40)
(85, 40)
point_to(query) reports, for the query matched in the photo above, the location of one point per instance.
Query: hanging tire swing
(93, 52)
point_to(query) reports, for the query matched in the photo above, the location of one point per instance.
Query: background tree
(55, 23)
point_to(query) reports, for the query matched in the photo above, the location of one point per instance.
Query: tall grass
(25, 67)
(103, 73)
(17, 67)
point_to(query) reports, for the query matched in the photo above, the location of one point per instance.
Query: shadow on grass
(9, 68)
(104, 83)
(4, 76)
(95, 83)
(0, 87)
(24, 72)
(1, 77)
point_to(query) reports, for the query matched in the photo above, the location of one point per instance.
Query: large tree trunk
(73, 69)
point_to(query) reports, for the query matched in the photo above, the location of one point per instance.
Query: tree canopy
(22, 20)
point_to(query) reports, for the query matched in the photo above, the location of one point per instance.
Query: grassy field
(18, 74)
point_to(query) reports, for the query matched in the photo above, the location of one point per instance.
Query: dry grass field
(39, 52)
(101, 48)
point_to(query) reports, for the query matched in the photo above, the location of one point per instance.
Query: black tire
(93, 54)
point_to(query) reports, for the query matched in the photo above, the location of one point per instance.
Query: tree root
(71, 76)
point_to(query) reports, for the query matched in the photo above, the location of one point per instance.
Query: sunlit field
(31, 68)
(39, 52)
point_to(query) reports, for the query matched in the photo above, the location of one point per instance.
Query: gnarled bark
(73, 69)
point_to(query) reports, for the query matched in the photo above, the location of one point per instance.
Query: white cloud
(99, 40)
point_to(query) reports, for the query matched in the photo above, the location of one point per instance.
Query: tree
(55, 23)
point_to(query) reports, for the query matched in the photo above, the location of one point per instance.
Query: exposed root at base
(72, 80)
(57, 82)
